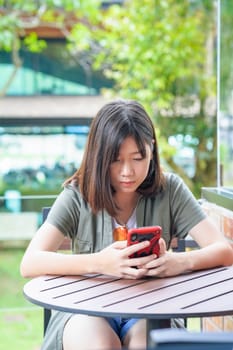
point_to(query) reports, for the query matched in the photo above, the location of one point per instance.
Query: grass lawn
(21, 323)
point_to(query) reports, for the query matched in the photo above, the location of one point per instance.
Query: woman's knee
(136, 336)
(87, 332)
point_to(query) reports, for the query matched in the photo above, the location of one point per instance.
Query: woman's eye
(138, 159)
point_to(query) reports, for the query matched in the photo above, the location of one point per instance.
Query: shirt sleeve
(65, 211)
(185, 210)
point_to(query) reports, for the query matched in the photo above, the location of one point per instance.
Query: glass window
(226, 93)
(29, 82)
(52, 72)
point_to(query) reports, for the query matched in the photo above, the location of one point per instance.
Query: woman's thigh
(136, 337)
(89, 332)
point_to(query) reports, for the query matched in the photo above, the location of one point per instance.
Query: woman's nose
(126, 169)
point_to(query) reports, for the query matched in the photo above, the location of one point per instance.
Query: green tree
(19, 20)
(157, 51)
(161, 53)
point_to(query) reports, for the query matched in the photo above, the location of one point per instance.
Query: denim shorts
(121, 325)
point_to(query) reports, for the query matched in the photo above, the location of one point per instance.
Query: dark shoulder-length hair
(115, 122)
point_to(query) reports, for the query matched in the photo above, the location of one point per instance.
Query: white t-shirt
(131, 223)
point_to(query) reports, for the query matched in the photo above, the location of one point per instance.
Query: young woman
(119, 183)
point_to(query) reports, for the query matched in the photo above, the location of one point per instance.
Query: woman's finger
(136, 247)
(119, 244)
(162, 245)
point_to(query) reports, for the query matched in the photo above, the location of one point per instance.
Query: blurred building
(45, 114)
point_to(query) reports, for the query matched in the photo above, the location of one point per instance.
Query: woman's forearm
(52, 263)
(216, 254)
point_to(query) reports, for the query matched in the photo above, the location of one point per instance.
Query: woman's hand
(167, 264)
(114, 260)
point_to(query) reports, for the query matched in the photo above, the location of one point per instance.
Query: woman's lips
(127, 183)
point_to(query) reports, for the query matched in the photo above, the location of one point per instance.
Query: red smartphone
(147, 233)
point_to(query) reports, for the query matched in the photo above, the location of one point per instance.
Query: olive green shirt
(174, 209)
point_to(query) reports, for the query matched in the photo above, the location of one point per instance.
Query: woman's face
(130, 169)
